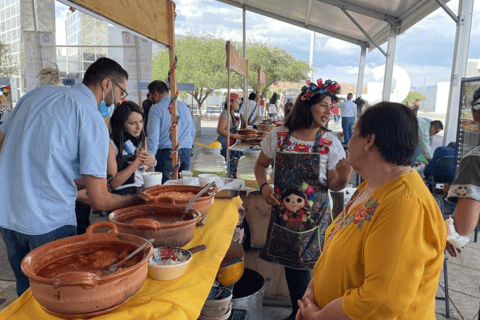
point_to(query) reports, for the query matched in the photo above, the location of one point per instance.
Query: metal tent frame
(369, 24)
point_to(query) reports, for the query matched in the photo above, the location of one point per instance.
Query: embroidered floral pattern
(464, 191)
(323, 149)
(360, 216)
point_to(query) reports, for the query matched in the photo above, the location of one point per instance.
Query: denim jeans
(164, 162)
(347, 126)
(297, 281)
(234, 157)
(19, 245)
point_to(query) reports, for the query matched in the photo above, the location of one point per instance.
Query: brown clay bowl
(162, 224)
(168, 197)
(65, 285)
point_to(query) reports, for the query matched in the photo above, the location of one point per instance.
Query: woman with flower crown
(382, 255)
(309, 160)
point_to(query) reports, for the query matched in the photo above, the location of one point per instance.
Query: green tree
(201, 60)
(7, 66)
(277, 63)
(413, 95)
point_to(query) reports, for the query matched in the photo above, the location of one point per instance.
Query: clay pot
(158, 195)
(83, 292)
(162, 224)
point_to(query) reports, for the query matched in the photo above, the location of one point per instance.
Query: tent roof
(327, 16)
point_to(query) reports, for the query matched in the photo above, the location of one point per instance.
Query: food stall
(182, 298)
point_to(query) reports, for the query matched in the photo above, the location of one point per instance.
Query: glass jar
(246, 167)
(210, 161)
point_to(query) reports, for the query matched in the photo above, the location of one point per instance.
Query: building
(16, 25)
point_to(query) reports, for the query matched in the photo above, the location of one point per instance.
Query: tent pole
(139, 71)
(387, 80)
(37, 38)
(361, 71)
(459, 67)
(245, 79)
(173, 87)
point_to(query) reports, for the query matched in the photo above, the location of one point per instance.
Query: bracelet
(263, 185)
(153, 165)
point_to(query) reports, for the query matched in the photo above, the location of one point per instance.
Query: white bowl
(168, 271)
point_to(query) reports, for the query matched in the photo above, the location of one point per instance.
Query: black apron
(297, 228)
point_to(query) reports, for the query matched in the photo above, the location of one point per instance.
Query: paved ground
(463, 273)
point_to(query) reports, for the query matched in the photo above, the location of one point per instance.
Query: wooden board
(147, 17)
(257, 214)
(235, 61)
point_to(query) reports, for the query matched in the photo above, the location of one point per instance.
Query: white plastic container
(151, 179)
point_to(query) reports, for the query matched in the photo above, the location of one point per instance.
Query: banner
(130, 64)
(31, 57)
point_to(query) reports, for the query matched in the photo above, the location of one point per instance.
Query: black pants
(297, 281)
(82, 211)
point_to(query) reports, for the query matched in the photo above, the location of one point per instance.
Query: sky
(425, 50)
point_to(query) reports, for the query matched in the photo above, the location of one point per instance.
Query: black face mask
(128, 136)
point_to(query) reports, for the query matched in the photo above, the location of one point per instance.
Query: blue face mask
(106, 111)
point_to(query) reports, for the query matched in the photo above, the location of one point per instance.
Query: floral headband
(321, 88)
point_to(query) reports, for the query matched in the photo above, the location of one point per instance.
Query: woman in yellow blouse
(383, 254)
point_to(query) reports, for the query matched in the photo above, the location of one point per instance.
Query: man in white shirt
(348, 110)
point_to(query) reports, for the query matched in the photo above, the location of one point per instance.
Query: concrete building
(16, 20)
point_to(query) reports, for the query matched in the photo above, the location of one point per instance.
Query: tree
(201, 60)
(277, 63)
(413, 95)
(7, 66)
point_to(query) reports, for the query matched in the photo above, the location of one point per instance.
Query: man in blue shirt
(348, 111)
(447, 175)
(159, 143)
(53, 136)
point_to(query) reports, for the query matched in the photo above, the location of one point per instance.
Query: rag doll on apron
(297, 227)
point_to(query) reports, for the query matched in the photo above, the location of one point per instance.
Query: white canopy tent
(369, 24)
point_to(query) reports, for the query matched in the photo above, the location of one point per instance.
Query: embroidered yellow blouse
(385, 256)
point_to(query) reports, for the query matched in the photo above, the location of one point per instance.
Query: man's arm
(153, 130)
(102, 200)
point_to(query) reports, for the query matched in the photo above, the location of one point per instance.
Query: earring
(365, 149)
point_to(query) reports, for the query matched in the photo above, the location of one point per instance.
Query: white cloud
(340, 46)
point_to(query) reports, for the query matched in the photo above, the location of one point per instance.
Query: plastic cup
(206, 178)
(151, 179)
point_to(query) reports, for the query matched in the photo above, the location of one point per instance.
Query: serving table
(178, 299)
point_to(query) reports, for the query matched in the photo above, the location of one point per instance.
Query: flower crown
(321, 88)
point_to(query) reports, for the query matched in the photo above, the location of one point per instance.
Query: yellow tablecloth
(178, 299)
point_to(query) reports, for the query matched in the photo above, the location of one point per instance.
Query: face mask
(106, 111)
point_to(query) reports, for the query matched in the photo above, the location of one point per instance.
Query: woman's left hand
(308, 309)
(344, 170)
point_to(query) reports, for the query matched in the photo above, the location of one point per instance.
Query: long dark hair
(117, 124)
(301, 116)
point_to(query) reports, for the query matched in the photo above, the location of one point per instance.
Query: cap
(234, 96)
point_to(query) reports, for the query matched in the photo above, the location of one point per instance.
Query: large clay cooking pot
(168, 197)
(84, 292)
(162, 224)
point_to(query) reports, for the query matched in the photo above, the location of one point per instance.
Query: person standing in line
(53, 136)
(159, 142)
(348, 110)
(253, 114)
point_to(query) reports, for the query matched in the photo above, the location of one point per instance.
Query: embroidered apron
(297, 228)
